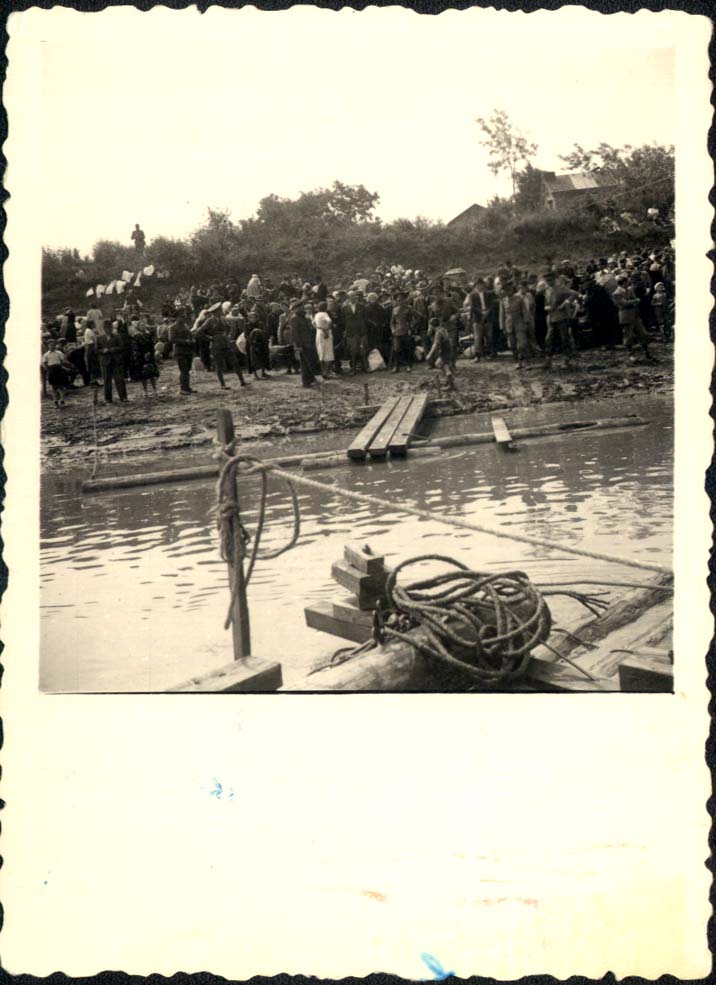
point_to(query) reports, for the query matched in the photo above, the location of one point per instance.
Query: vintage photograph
(355, 388)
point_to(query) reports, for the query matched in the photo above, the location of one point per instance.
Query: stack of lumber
(364, 575)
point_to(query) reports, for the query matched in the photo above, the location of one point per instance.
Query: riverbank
(146, 429)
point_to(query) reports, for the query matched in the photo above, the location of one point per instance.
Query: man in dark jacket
(356, 332)
(303, 335)
(111, 346)
(182, 348)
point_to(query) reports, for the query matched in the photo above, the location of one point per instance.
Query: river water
(134, 593)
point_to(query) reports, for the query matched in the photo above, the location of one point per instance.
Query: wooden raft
(390, 429)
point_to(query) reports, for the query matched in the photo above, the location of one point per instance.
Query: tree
(529, 189)
(644, 175)
(507, 146)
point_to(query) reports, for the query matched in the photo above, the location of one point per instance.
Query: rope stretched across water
(232, 463)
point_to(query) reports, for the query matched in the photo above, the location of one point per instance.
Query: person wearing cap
(223, 355)
(559, 302)
(660, 304)
(401, 326)
(182, 345)
(627, 304)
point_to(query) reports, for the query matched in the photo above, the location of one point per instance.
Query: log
(250, 674)
(327, 460)
(347, 611)
(359, 446)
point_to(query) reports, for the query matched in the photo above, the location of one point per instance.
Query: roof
(580, 181)
(472, 211)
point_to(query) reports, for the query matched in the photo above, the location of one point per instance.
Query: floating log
(250, 674)
(359, 446)
(398, 444)
(380, 444)
(324, 460)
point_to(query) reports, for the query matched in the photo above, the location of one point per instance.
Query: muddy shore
(146, 429)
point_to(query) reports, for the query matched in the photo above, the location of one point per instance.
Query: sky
(154, 117)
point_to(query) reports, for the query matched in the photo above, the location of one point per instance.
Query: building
(470, 217)
(560, 191)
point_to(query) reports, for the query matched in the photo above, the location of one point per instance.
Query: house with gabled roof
(470, 217)
(563, 190)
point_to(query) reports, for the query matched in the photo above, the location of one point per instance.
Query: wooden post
(240, 628)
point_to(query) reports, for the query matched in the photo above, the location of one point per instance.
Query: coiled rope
(494, 620)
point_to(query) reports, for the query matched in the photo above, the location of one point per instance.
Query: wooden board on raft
(501, 432)
(408, 426)
(358, 448)
(246, 675)
(321, 616)
(380, 444)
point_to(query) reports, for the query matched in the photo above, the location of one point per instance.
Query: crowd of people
(386, 319)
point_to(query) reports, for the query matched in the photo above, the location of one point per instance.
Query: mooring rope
(504, 614)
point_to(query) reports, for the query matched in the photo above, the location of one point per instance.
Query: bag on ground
(375, 360)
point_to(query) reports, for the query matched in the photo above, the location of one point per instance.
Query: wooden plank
(250, 674)
(367, 589)
(320, 616)
(646, 673)
(361, 557)
(379, 446)
(408, 426)
(347, 611)
(501, 431)
(360, 444)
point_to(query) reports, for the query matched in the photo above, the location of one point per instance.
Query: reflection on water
(134, 592)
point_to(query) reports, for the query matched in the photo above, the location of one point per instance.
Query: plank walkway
(398, 445)
(390, 429)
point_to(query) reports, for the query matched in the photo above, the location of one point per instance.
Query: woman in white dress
(324, 339)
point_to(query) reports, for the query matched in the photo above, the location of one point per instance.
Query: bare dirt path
(144, 428)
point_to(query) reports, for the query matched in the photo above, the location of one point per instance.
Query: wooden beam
(379, 445)
(240, 627)
(321, 616)
(362, 559)
(367, 589)
(398, 445)
(251, 674)
(359, 446)
(646, 673)
(501, 432)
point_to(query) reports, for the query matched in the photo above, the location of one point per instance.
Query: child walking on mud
(441, 354)
(150, 374)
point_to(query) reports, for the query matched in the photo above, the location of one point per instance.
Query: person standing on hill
(139, 239)
(95, 315)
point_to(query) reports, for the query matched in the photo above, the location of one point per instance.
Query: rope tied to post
(234, 536)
